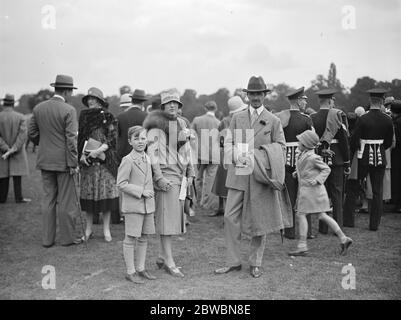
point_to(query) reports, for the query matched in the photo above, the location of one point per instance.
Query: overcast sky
(198, 44)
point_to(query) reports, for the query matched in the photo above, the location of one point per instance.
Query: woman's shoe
(160, 262)
(108, 238)
(90, 237)
(174, 271)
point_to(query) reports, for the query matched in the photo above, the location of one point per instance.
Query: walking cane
(76, 185)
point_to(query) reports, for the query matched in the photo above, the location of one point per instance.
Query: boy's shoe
(298, 252)
(345, 245)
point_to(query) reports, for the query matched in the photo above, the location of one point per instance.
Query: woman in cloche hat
(169, 150)
(312, 172)
(97, 153)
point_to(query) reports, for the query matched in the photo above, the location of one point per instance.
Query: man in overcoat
(206, 128)
(54, 127)
(252, 127)
(13, 159)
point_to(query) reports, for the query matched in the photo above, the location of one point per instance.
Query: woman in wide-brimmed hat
(169, 151)
(98, 163)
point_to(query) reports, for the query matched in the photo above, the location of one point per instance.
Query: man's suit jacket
(208, 141)
(127, 119)
(54, 127)
(266, 129)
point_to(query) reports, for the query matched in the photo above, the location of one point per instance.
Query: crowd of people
(265, 172)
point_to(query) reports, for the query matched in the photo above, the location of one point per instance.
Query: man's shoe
(227, 269)
(298, 252)
(48, 245)
(255, 272)
(75, 242)
(311, 236)
(134, 278)
(345, 246)
(145, 274)
(217, 213)
(23, 200)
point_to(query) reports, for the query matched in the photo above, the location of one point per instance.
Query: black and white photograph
(209, 152)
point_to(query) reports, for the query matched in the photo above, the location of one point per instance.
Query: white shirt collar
(258, 110)
(210, 113)
(58, 96)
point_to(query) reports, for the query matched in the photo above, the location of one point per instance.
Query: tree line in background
(346, 99)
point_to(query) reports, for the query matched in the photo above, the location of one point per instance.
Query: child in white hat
(312, 172)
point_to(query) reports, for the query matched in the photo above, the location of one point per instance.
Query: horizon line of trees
(346, 99)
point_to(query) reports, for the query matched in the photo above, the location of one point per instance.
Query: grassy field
(98, 271)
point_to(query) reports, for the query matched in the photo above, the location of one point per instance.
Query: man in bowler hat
(265, 128)
(54, 127)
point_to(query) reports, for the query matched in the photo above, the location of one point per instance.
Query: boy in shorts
(134, 180)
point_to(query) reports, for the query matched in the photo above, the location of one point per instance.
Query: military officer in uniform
(331, 126)
(294, 122)
(372, 136)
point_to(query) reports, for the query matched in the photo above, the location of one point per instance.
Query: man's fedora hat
(8, 100)
(63, 81)
(96, 93)
(139, 95)
(211, 105)
(256, 84)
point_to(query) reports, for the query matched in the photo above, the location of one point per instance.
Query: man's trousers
(59, 198)
(232, 232)
(4, 184)
(375, 206)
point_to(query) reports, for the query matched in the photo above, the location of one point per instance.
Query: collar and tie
(254, 116)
